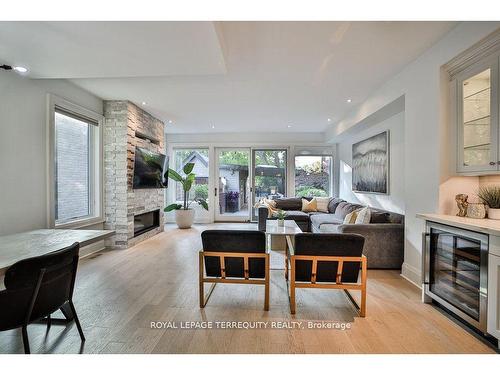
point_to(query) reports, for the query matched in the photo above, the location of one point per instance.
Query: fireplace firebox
(145, 222)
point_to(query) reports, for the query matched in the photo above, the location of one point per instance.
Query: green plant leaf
(187, 184)
(173, 206)
(203, 203)
(188, 168)
(490, 195)
(174, 175)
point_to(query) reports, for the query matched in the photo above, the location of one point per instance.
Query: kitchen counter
(487, 226)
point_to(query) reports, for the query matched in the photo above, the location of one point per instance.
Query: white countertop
(15, 247)
(487, 226)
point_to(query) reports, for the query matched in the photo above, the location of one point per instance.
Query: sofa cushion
(332, 205)
(326, 228)
(379, 217)
(318, 220)
(297, 216)
(289, 204)
(345, 208)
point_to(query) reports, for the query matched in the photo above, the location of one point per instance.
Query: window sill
(79, 224)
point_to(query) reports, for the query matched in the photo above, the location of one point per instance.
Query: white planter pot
(184, 218)
(494, 213)
(281, 222)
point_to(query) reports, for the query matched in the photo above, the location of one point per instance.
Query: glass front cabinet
(477, 105)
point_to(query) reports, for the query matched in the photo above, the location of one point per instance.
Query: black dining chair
(36, 288)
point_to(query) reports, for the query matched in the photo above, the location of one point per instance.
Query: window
(313, 176)
(74, 165)
(73, 191)
(198, 156)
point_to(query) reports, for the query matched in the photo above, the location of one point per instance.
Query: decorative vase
(184, 218)
(494, 213)
(281, 222)
(476, 210)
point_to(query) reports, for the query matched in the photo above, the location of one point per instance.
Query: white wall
(395, 200)
(426, 135)
(23, 150)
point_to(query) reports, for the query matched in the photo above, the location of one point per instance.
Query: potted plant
(280, 215)
(490, 196)
(184, 215)
(232, 201)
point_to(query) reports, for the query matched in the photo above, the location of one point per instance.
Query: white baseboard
(412, 274)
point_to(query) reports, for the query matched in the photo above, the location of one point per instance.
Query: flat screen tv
(150, 169)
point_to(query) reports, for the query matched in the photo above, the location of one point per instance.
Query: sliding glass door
(175, 194)
(269, 175)
(232, 189)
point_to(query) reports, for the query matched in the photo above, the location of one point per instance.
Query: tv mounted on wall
(150, 170)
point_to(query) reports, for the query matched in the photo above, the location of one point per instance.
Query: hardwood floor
(119, 293)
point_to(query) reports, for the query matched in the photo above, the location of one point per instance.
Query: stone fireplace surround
(127, 126)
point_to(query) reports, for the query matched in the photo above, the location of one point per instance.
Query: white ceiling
(112, 49)
(236, 76)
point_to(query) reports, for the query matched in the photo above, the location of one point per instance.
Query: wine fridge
(455, 269)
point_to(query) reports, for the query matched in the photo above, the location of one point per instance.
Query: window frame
(317, 155)
(96, 170)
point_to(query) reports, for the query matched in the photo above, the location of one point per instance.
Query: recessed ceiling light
(329, 119)
(143, 103)
(289, 126)
(170, 121)
(213, 126)
(349, 100)
(20, 69)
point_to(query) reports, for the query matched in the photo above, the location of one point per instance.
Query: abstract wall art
(370, 165)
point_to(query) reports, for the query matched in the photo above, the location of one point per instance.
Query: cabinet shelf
(476, 119)
(475, 147)
(477, 92)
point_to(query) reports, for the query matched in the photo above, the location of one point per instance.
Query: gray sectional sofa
(384, 235)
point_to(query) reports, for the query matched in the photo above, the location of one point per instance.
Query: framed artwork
(370, 165)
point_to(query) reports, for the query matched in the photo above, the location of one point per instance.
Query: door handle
(215, 191)
(425, 257)
(492, 163)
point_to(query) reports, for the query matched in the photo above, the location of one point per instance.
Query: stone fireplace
(127, 126)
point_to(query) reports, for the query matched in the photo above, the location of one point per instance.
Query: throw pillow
(309, 206)
(364, 216)
(350, 218)
(322, 203)
(269, 204)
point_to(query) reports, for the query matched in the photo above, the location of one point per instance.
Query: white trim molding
(482, 49)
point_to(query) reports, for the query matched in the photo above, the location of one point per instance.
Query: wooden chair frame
(292, 284)
(232, 280)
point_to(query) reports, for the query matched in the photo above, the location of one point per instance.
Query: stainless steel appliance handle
(425, 257)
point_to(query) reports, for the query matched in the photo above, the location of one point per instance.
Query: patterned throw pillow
(364, 216)
(323, 203)
(350, 218)
(309, 206)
